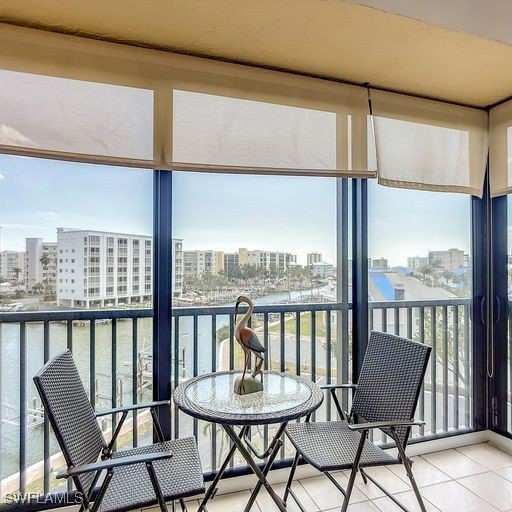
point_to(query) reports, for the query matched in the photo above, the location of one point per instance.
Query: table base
(270, 454)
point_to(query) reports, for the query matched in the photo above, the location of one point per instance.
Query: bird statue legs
(257, 369)
(241, 387)
(246, 384)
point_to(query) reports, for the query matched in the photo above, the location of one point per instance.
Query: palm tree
(15, 280)
(45, 261)
(16, 271)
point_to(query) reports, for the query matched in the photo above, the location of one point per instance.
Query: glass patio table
(285, 397)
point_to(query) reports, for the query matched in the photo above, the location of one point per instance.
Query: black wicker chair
(385, 398)
(135, 478)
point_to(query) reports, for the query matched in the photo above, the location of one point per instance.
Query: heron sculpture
(250, 343)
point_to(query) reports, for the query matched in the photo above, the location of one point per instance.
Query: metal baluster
(46, 425)
(397, 321)
(328, 364)
(298, 362)
(282, 365)
(135, 369)
(456, 366)
(267, 364)
(313, 346)
(92, 363)
(113, 371)
(213, 426)
(176, 373)
(467, 368)
(444, 325)
(23, 406)
(195, 350)
(422, 393)
(433, 368)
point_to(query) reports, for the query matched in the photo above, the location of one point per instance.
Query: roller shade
(82, 100)
(429, 145)
(500, 155)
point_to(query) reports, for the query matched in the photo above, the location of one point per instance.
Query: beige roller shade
(429, 145)
(82, 100)
(500, 154)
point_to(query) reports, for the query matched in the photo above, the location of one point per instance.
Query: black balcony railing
(113, 350)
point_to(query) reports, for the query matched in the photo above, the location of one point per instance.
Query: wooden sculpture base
(251, 385)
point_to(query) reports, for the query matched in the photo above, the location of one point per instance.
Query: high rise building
(313, 257)
(12, 265)
(198, 263)
(40, 264)
(98, 269)
(449, 260)
(380, 263)
(322, 269)
(416, 262)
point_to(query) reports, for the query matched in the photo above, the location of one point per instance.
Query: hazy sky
(222, 212)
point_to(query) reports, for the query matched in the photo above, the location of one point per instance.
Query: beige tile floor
(475, 478)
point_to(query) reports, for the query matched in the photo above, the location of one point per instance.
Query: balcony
(113, 350)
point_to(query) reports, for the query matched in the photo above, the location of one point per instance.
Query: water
(10, 374)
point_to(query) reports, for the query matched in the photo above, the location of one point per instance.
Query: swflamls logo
(15, 498)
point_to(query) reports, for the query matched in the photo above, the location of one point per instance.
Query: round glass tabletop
(280, 392)
(211, 397)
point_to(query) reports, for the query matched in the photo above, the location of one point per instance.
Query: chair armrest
(113, 463)
(338, 386)
(385, 424)
(133, 407)
(331, 388)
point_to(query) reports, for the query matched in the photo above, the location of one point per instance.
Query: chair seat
(331, 445)
(179, 477)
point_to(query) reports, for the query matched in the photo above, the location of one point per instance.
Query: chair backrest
(70, 413)
(390, 380)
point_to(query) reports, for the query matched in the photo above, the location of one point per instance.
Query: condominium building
(313, 257)
(40, 264)
(271, 260)
(198, 263)
(97, 269)
(231, 261)
(323, 270)
(380, 263)
(449, 260)
(12, 266)
(416, 262)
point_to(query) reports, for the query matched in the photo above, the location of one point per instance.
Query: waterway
(10, 368)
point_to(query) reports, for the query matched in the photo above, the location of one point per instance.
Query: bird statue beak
(236, 308)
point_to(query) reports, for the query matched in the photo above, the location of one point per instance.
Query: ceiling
(326, 38)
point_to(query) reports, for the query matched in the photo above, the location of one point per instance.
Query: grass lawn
(305, 325)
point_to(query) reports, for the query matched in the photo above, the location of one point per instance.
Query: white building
(12, 263)
(313, 257)
(323, 270)
(98, 269)
(271, 260)
(416, 262)
(198, 263)
(449, 260)
(380, 263)
(40, 264)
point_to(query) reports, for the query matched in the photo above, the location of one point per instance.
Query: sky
(222, 212)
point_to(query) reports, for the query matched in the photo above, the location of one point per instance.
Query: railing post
(162, 294)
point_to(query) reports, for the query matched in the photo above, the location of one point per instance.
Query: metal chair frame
(364, 429)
